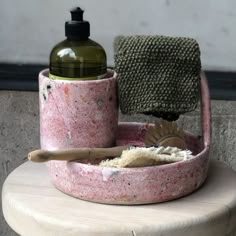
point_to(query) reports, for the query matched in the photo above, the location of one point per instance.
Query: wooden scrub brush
(163, 134)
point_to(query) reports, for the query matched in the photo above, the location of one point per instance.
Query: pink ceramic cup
(77, 113)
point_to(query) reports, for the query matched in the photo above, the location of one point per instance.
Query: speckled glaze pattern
(77, 113)
(138, 185)
(131, 185)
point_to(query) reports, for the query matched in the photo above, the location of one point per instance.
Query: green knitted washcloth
(157, 75)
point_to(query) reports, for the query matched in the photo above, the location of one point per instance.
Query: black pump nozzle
(77, 14)
(77, 27)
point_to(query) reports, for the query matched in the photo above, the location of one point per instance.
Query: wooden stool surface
(33, 206)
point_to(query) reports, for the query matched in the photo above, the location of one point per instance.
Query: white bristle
(141, 156)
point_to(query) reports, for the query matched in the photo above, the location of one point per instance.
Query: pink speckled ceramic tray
(138, 185)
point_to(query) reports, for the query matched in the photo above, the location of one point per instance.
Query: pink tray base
(145, 185)
(130, 186)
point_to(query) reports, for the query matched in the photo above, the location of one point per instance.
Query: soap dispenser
(78, 99)
(77, 57)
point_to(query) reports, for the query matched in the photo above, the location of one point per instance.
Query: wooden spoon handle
(75, 154)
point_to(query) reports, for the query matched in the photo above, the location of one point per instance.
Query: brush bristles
(164, 130)
(141, 157)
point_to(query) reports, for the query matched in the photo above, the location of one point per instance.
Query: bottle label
(55, 77)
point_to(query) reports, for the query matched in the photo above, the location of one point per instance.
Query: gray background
(29, 28)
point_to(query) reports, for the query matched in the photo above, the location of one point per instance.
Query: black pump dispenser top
(77, 27)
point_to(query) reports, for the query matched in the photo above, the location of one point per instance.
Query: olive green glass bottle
(77, 57)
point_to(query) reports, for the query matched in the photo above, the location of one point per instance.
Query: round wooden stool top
(32, 206)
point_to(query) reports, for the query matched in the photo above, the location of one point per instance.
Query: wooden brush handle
(75, 154)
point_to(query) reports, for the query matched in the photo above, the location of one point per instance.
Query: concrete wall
(19, 132)
(30, 28)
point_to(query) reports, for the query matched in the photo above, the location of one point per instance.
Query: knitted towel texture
(157, 74)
